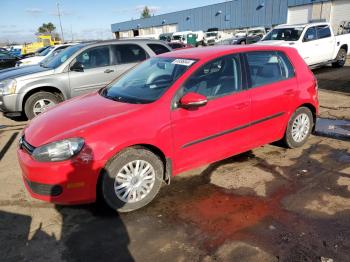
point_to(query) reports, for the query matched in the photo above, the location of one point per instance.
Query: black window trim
(179, 93)
(114, 58)
(247, 71)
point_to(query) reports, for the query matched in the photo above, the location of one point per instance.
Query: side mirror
(77, 67)
(191, 100)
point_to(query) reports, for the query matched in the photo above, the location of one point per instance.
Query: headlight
(58, 151)
(8, 87)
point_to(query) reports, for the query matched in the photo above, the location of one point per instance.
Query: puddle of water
(222, 216)
(333, 128)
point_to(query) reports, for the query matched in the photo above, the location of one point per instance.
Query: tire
(243, 43)
(115, 174)
(291, 140)
(341, 58)
(31, 106)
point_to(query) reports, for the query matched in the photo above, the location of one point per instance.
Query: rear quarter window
(266, 67)
(158, 48)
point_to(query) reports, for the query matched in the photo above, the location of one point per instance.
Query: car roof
(216, 51)
(301, 25)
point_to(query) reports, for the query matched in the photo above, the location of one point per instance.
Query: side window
(267, 67)
(95, 57)
(158, 48)
(217, 78)
(323, 31)
(310, 35)
(129, 53)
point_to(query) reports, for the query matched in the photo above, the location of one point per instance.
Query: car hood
(75, 117)
(32, 60)
(21, 71)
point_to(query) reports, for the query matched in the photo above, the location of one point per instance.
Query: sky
(81, 19)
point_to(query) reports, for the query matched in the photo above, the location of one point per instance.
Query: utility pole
(71, 31)
(59, 17)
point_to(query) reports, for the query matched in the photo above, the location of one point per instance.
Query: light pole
(59, 17)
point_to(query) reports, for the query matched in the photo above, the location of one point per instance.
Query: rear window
(268, 67)
(129, 53)
(158, 48)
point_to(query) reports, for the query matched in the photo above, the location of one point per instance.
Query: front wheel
(299, 128)
(341, 58)
(38, 103)
(132, 179)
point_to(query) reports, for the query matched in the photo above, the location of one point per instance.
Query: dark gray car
(75, 71)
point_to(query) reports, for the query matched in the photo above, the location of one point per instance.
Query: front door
(309, 48)
(218, 129)
(97, 70)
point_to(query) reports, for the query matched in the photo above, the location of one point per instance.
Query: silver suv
(75, 71)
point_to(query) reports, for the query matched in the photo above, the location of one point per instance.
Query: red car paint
(255, 116)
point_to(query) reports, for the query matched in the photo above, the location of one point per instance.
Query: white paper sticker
(185, 62)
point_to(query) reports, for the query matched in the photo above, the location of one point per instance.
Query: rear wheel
(38, 102)
(299, 128)
(132, 179)
(341, 58)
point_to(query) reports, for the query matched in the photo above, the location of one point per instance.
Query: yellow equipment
(43, 40)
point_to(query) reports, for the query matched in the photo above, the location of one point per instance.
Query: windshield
(285, 34)
(177, 37)
(61, 57)
(147, 82)
(255, 32)
(46, 51)
(211, 34)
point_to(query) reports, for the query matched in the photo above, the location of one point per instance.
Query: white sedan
(50, 51)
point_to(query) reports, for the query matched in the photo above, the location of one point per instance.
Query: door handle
(107, 71)
(289, 92)
(241, 105)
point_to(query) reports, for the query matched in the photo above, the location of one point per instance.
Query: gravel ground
(269, 204)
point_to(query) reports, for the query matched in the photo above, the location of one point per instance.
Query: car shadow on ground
(333, 79)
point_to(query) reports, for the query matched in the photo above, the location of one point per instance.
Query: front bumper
(8, 103)
(67, 182)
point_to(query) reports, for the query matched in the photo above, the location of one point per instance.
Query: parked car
(33, 60)
(165, 37)
(315, 42)
(213, 37)
(37, 52)
(172, 113)
(178, 45)
(7, 60)
(77, 70)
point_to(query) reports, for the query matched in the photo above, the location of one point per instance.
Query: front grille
(23, 144)
(44, 189)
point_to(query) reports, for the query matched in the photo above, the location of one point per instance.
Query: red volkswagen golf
(170, 114)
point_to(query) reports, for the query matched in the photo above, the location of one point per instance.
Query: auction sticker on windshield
(184, 62)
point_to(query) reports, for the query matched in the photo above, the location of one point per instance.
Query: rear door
(97, 73)
(326, 43)
(272, 86)
(218, 129)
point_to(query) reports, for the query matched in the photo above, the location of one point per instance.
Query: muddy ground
(269, 204)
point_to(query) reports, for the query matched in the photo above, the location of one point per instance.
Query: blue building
(237, 14)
